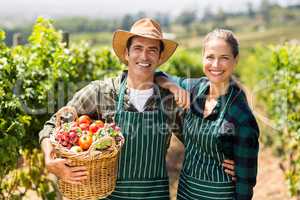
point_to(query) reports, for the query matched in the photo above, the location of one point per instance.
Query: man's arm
(84, 101)
(59, 166)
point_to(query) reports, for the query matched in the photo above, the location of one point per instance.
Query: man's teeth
(216, 73)
(144, 64)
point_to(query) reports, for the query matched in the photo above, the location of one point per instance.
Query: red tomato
(85, 141)
(84, 126)
(84, 119)
(94, 127)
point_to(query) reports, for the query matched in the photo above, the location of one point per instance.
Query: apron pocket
(193, 188)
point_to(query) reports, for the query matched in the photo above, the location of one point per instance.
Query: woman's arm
(181, 96)
(166, 81)
(245, 152)
(177, 86)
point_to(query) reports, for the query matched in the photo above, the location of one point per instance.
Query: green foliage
(11, 115)
(274, 76)
(40, 77)
(31, 176)
(35, 81)
(2, 35)
(285, 108)
(184, 64)
(187, 17)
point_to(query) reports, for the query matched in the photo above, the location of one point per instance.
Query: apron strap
(225, 108)
(220, 119)
(121, 94)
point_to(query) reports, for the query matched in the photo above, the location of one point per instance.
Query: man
(145, 112)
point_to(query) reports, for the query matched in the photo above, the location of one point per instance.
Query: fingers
(79, 174)
(230, 172)
(78, 169)
(229, 167)
(55, 165)
(75, 175)
(228, 164)
(182, 99)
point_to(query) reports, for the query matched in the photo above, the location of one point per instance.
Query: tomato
(94, 127)
(84, 119)
(85, 141)
(84, 126)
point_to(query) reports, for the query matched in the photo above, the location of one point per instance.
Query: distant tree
(164, 20)
(187, 17)
(208, 14)
(265, 8)
(139, 15)
(250, 10)
(127, 22)
(221, 16)
(84, 24)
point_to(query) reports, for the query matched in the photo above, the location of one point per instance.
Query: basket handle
(65, 109)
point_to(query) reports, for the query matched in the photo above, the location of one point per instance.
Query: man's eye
(153, 51)
(137, 48)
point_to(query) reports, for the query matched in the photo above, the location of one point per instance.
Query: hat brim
(121, 37)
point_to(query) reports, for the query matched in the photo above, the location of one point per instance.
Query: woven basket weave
(102, 166)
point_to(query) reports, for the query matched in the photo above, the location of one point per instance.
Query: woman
(219, 125)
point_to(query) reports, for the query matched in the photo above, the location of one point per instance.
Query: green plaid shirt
(99, 99)
(239, 141)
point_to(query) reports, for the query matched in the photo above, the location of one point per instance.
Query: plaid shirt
(99, 99)
(239, 132)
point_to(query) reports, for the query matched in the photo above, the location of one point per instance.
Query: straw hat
(147, 28)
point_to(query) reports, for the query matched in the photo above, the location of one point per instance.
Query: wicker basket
(101, 166)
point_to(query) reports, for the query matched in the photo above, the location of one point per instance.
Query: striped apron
(142, 168)
(202, 176)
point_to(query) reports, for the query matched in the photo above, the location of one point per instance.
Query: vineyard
(38, 78)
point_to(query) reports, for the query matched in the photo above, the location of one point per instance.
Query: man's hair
(129, 42)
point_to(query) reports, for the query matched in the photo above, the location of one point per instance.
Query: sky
(116, 8)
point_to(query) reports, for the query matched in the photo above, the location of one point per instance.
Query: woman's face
(218, 61)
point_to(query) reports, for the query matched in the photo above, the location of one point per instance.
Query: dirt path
(270, 182)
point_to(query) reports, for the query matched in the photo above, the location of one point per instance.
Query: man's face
(143, 57)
